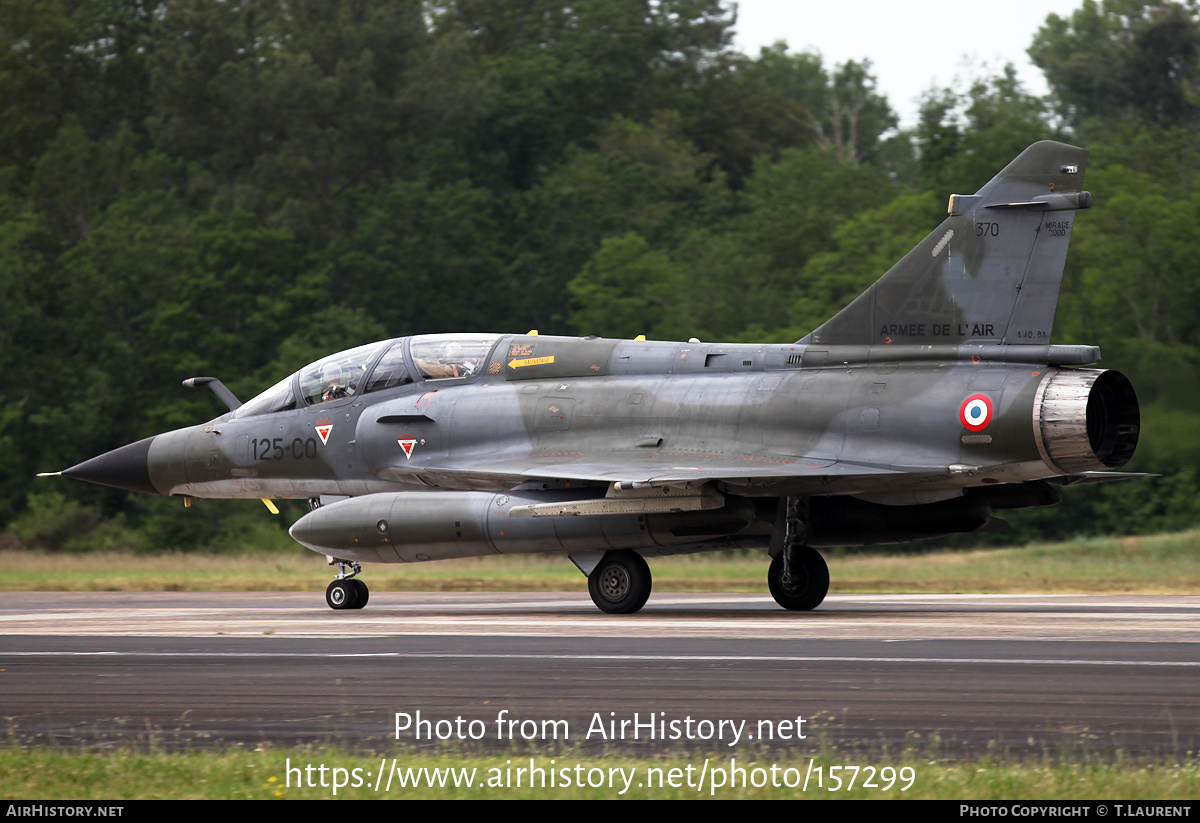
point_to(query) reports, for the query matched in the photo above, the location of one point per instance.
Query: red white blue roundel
(976, 412)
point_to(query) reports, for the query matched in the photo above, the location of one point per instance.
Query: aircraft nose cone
(313, 530)
(301, 532)
(125, 468)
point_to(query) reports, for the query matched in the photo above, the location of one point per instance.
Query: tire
(809, 584)
(342, 594)
(364, 594)
(620, 583)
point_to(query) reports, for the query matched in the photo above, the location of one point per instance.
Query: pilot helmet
(331, 373)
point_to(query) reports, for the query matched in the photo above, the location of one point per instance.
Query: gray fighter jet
(931, 401)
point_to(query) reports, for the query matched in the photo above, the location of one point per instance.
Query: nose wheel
(347, 592)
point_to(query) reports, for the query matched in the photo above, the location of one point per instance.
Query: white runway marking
(622, 658)
(644, 620)
(725, 616)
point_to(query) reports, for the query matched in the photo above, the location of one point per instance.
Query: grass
(1159, 564)
(263, 773)
(1162, 564)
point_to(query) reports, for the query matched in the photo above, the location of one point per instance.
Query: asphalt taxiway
(1029, 673)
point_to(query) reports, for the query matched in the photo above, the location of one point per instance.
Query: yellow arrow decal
(530, 361)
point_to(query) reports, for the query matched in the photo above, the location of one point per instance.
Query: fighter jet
(928, 403)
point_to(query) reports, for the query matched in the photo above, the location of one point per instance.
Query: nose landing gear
(347, 591)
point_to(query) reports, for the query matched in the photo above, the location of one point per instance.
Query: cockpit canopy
(376, 367)
(337, 376)
(440, 356)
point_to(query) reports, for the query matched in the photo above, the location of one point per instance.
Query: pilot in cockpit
(448, 362)
(333, 382)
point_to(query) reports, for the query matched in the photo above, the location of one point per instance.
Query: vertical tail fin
(990, 273)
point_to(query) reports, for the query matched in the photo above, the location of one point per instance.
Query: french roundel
(976, 412)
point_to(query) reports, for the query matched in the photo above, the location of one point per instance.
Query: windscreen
(277, 398)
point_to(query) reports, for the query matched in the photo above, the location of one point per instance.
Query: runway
(950, 673)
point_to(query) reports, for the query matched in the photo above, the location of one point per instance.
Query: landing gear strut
(798, 577)
(347, 591)
(620, 583)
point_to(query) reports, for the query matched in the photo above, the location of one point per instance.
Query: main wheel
(620, 583)
(364, 594)
(807, 585)
(342, 594)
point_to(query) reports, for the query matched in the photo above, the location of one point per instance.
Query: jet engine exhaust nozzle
(1086, 420)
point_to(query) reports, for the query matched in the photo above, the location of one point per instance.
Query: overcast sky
(913, 45)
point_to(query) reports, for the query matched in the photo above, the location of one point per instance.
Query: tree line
(238, 188)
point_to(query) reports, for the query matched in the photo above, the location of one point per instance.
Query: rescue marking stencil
(324, 428)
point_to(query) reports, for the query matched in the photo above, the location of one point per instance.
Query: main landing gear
(620, 583)
(347, 592)
(798, 577)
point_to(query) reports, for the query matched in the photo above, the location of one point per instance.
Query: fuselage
(643, 404)
(443, 446)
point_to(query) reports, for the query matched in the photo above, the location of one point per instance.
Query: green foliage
(76, 178)
(790, 211)
(238, 189)
(866, 246)
(422, 255)
(736, 115)
(1124, 59)
(226, 525)
(626, 289)
(558, 72)
(840, 111)
(647, 179)
(53, 521)
(965, 138)
(1130, 285)
(47, 73)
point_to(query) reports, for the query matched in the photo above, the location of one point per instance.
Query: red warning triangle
(407, 445)
(323, 427)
